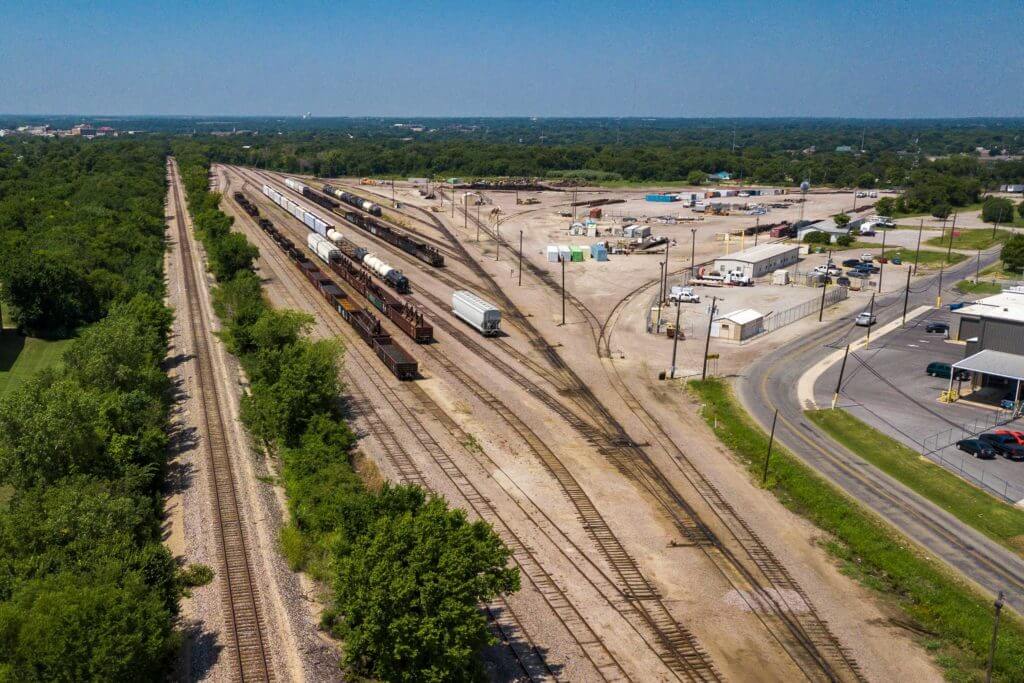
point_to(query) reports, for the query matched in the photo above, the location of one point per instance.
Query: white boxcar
(477, 312)
(323, 248)
(294, 184)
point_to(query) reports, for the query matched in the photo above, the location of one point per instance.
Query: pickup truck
(684, 295)
(737, 277)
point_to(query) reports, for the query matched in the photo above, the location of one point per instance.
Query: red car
(1017, 436)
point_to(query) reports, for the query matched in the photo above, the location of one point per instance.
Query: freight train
(392, 276)
(398, 361)
(403, 241)
(352, 200)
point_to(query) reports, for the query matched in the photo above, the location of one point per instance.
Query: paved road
(771, 382)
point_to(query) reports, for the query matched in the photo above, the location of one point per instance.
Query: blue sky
(492, 58)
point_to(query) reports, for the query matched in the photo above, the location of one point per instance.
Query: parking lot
(886, 386)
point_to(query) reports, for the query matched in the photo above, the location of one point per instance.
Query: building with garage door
(760, 260)
(995, 322)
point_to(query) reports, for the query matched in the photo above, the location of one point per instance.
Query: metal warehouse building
(760, 260)
(995, 323)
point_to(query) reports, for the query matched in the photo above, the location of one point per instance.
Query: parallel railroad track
(595, 650)
(679, 649)
(244, 622)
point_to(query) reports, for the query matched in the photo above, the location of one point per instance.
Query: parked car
(843, 281)
(1003, 444)
(852, 263)
(868, 268)
(883, 259)
(977, 448)
(944, 370)
(1017, 436)
(936, 326)
(867, 257)
(859, 274)
(1008, 401)
(865, 319)
(827, 270)
(956, 306)
(897, 261)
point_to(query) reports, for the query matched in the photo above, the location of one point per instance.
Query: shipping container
(480, 314)
(662, 198)
(552, 253)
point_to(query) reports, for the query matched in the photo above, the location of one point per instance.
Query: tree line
(407, 573)
(87, 589)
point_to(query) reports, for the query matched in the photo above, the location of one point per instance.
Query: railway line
(244, 622)
(792, 621)
(410, 408)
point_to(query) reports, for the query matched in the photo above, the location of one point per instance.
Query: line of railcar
(403, 241)
(393, 277)
(363, 321)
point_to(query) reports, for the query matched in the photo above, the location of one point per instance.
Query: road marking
(913, 346)
(805, 386)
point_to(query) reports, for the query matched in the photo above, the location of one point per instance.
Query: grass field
(957, 617)
(975, 238)
(927, 259)
(970, 208)
(980, 287)
(997, 520)
(21, 357)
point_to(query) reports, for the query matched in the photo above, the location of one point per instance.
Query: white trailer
(294, 184)
(322, 247)
(477, 312)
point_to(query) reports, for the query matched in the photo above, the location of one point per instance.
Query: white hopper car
(477, 312)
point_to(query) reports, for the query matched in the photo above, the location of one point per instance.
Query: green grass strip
(981, 287)
(999, 521)
(21, 357)
(958, 616)
(971, 238)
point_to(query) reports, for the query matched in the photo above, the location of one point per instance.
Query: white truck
(684, 295)
(481, 315)
(739, 278)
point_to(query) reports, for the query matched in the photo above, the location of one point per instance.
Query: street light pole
(520, 258)
(693, 251)
(917, 252)
(906, 298)
(952, 231)
(563, 288)
(839, 382)
(497, 237)
(757, 229)
(675, 342)
(938, 295)
(661, 294)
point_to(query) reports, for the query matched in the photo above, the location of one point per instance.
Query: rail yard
(645, 554)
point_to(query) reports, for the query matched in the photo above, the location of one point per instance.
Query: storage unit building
(600, 251)
(760, 260)
(995, 323)
(738, 325)
(552, 253)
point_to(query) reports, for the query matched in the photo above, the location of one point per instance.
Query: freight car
(394, 357)
(352, 200)
(406, 243)
(323, 201)
(477, 312)
(311, 220)
(295, 185)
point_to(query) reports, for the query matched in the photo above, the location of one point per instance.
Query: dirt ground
(701, 591)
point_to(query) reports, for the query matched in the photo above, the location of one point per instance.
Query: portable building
(564, 253)
(780, 277)
(600, 251)
(576, 254)
(552, 253)
(586, 251)
(738, 325)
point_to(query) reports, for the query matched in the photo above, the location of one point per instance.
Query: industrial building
(995, 323)
(738, 325)
(829, 227)
(760, 260)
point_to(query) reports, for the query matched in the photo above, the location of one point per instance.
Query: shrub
(997, 209)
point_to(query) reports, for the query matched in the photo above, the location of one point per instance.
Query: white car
(684, 295)
(865, 319)
(867, 257)
(830, 269)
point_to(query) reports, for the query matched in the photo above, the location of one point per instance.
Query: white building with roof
(760, 260)
(738, 325)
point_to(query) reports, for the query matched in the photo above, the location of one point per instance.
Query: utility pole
(497, 236)
(952, 231)
(757, 229)
(393, 203)
(563, 288)
(453, 200)
(661, 293)
(824, 286)
(520, 258)
(995, 226)
(465, 212)
(938, 295)
(839, 382)
(574, 205)
(693, 251)
(664, 288)
(906, 298)
(675, 342)
(707, 340)
(479, 201)
(881, 263)
(917, 252)
(977, 267)
(768, 455)
(871, 316)
(995, 634)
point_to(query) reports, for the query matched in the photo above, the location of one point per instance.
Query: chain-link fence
(784, 317)
(971, 469)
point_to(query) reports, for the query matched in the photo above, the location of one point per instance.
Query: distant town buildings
(83, 130)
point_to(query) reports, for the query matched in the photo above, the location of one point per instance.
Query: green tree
(886, 206)
(866, 181)
(844, 240)
(1020, 209)
(695, 177)
(1012, 253)
(49, 297)
(841, 220)
(409, 594)
(230, 254)
(942, 210)
(995, 209)
(817, 237)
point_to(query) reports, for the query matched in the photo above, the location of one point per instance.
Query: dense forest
(87, 589)
(407, 572)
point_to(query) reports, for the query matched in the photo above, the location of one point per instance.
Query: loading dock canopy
(996, 363)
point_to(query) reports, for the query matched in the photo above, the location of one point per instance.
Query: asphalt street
(770, 383)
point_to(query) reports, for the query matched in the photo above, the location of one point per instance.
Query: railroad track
(244, 622)
(797, 627)
(680, 650)
(410, 409)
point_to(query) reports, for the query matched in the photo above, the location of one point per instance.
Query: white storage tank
(477, 312)
(334, 236)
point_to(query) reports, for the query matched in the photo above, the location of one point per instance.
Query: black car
(867, 268)
(852, 263)
(1004, 444)
(843, 281)
(977, 448)
(859, 274)
(936, 326)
